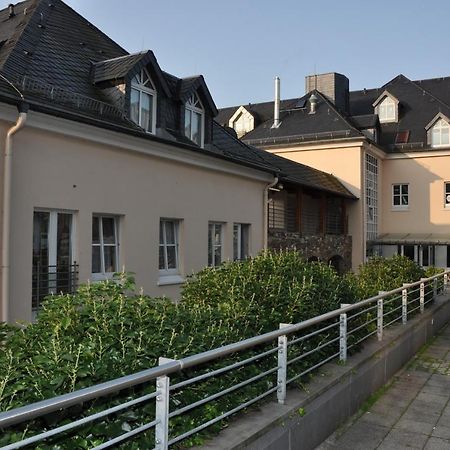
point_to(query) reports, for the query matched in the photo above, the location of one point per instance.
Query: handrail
(44, 407)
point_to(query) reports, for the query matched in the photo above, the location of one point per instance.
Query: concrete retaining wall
(335, 393)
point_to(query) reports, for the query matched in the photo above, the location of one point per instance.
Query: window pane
(110, 259)
(40, 238)
(236, 230)
(210, 244)
(146, 111)
(63, 241)
(404, 189)
(218, 235)
(196, 126)
(134, 106)
(396, 200)
(244, 241)
(162, 265)
(161, 232)
(444, 136)
(109, 236)
(95, 230)
(396, 189)
(96, 265)
(170, 232)
(171, 257)
(404, 200)
(217, 256)
(187, 123)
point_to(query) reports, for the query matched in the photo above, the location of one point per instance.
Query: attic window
(387, 110)
(402, 137)
(194, 120)
(143, 101)
(440, 134)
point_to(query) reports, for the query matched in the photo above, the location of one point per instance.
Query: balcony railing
(278, 359)
(48, 280)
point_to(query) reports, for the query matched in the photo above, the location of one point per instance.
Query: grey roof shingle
(115, 68)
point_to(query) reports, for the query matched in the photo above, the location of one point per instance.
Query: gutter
(6, 229)
(266, 212)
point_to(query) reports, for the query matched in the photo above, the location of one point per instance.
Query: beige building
(110, 164)
(389, 146)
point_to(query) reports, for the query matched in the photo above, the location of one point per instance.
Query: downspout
(266, 211)
(6, 233)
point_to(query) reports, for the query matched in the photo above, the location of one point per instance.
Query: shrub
(101, 333)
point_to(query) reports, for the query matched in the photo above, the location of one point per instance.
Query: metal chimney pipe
(11, 10)
(276, 105)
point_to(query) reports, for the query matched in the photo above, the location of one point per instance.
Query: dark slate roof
(58, 60)
(298, 123)
(365, 121)
(115, 68)
(419, 102)
(288, 171)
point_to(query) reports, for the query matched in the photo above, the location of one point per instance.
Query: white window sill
(166, 280)
(400, 208)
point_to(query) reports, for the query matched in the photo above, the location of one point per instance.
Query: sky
(239, 46)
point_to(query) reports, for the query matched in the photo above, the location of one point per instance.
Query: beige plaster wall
(59, 172)
(426, 212)
(344, 162)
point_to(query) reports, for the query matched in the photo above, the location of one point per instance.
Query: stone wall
(322, 247)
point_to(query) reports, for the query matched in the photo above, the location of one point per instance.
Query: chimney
(334, 86)
(276, 104)
(11, 10)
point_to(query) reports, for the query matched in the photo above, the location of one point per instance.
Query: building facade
(110, 163)
(389, 146)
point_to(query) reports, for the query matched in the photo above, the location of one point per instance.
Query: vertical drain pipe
(6, 233)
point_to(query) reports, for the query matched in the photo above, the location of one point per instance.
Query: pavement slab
(413, 412)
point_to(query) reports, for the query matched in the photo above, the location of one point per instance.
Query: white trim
(141, 88)
(129, 143)
(399, 207)
(188, 106)
(168, 280)
(214, 246)
(103, 275)
(164, 273)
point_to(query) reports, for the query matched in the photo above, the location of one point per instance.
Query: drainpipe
(266, 211)
(7, 169)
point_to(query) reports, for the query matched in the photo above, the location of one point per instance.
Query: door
(53, 268)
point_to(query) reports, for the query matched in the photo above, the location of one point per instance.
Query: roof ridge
(336, 110)
(143, 52)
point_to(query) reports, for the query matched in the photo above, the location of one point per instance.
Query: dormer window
(242, 122)
(194, 120)
(386, 106)
(440, 134)
(143, 101)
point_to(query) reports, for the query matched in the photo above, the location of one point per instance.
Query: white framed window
(440, 134)
(169, 250)
(241, 233)
(387, 110)
(194, 119)
(400, 196)
(215, 244)
(447, 194)
(143, 101)
(105, 246)
(371, 186)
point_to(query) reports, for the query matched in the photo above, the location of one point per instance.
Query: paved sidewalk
(414, 411)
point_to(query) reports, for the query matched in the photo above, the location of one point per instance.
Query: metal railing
(48, 280)
(289, 355)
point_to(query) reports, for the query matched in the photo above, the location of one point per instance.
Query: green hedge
(106, 331)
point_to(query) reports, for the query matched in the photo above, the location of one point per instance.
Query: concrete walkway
(412, 412)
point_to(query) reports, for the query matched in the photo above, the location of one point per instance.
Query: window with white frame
(169, 259)
(387, 110)
(105, 246)
(400, 195)
(215, 244)
(447, 194)
(194, 120)
(440, 134)
(240, 241)
(371, 197)
(143, 101)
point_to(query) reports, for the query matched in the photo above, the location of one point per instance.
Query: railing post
(422, 295)
(445, 282)
(162, 409)
(434, 289)
(405, 304)
(343, 335)
(380, 317)
(282, 366)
